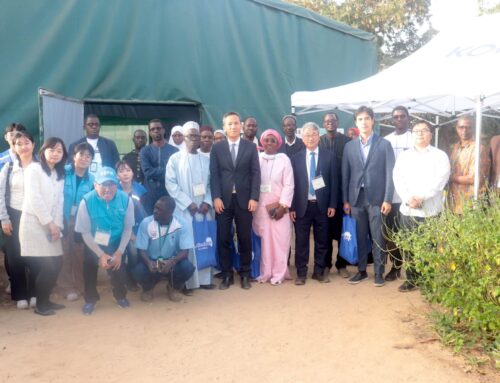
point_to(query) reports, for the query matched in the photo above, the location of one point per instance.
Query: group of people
(64, 213)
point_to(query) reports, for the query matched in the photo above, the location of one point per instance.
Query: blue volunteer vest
(107, 216)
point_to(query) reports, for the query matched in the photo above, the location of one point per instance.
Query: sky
(447, 13)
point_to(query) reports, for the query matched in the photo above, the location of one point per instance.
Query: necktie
(312, 173)
(233, 153)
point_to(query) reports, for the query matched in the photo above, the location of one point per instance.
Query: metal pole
(479, 104)
(436, 137)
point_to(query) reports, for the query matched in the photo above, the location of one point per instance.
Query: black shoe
(359, 277)
(407, 287)
(207, 287)
(393, 275)
(318, 277)
(226, 282)
(44, 312)
(219, 275)
(300, 281)
(379, 280)
(55, 306)
(245, 283)
(187, 292)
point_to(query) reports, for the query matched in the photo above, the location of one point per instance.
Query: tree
(399, 25)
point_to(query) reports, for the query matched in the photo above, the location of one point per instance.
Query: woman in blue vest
(137, 193)
(77, 182)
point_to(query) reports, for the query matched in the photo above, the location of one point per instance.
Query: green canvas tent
(173, 59)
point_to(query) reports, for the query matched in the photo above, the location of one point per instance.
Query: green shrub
(458, 258)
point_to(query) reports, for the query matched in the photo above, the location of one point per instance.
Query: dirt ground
(314, 333)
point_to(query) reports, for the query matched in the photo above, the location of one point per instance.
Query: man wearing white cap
(105, 218)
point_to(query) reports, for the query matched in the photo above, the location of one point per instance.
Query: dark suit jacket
(107, 149)
(327, 196)
(376, 173)
(290, 151)
(245, 175)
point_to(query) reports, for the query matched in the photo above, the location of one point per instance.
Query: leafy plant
(458, 259)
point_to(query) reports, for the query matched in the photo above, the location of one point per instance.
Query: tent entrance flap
(60, 116)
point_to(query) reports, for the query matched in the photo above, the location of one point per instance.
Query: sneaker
(88, 308)
(22, 304)
(343, 272)
(123, 303)
(173, 294)
(379, 280)
(32, 302)
(393, 275)
(359, 277)
(72, 297)
(407, 287)
(147, 296)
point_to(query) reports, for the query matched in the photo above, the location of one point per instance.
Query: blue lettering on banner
(473, 51)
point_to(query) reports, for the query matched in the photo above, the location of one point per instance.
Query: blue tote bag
(348, 241)
(256, 255)
(205, 243)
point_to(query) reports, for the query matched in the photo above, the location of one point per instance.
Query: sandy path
(315, 333)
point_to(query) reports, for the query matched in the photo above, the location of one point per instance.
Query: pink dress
(276, 186)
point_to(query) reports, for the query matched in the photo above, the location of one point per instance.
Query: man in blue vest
(163, 242)
(105, 218)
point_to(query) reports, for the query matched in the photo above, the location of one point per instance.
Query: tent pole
(479, 111)
(436, 138)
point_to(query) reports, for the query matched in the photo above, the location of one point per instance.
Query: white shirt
(308, 163)
(422, 174)
(291, 143)
(399, 143)
(97, 160)
(237, 143)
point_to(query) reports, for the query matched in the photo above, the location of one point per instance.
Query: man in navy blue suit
(314, 201)
(367, 190)
(235, 186)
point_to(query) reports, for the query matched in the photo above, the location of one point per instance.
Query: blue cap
(105, 174)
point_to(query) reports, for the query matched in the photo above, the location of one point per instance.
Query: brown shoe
(343, 272)
(173, 294)
(300, 281)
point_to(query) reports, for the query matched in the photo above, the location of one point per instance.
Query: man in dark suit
(335, 141)
(105, 151)
(235, 186)
(367, 190)
(292, 144)
(314, 201)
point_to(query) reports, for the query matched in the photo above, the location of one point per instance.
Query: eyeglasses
(420, 132)
(108, 185)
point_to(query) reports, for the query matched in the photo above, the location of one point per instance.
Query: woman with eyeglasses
(271, 220)
(42, 221)
(11, 203)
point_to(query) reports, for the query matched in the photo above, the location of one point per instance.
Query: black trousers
(90, 267)
(319, 222)
(22, 281)
(334, 232)
(45, 271)
(410, 223)
(391, 225)
(369, 223)
(243, 220)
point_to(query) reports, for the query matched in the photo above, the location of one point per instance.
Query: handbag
(271, 209)
(348, 240)
(256, 255)
(205, 243)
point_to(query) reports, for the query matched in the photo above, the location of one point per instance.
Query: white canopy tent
(456, 72)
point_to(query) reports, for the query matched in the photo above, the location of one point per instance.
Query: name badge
(265, 188)
(318, 183)
(73, 210)
(102, 237)
(93, 167)
(199, 190)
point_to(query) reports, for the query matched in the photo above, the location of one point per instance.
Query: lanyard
(160, 236)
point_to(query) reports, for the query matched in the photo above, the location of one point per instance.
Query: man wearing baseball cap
(105, 218)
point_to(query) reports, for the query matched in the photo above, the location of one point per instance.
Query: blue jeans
(176, 277)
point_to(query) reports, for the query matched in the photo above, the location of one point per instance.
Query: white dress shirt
(422, 174)
(399, 143)
(308, 163)
(237, 143)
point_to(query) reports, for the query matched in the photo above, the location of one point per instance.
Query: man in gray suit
(367, 190)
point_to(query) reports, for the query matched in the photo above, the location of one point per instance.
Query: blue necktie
(312, 173)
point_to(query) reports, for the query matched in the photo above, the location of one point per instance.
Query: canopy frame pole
(477, 151)
(436, 137)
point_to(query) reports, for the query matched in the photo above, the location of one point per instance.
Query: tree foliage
(397, 24)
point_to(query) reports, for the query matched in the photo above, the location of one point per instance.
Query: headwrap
(271, 132)
(188, 126)
(220, 131)
(175, 129)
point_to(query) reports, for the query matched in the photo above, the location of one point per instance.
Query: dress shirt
(399, 143)
(308, 163)
(365, 148)
(237, 142)
(291, 143)
(422, 174)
